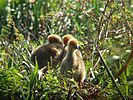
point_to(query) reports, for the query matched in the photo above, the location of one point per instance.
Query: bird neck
(70, 53)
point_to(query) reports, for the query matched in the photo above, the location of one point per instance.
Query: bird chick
(73, 62)
(65, 40)
(46, 53)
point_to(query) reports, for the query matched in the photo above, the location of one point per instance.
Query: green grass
(105, 23)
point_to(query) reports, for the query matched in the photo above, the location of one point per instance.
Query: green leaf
(78, 27)
(3, 4)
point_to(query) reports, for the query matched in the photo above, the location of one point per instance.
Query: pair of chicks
(63, 50)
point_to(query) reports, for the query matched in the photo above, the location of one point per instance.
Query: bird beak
(77, 47)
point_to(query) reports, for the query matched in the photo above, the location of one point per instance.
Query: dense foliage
(102, 27)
